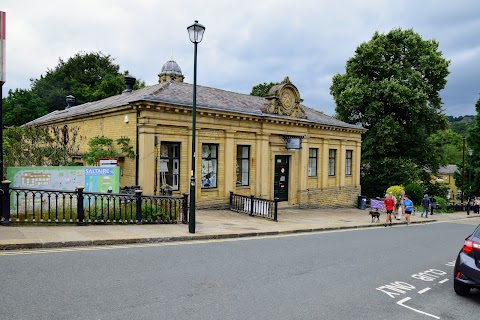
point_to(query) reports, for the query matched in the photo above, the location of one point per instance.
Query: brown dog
(375, 216)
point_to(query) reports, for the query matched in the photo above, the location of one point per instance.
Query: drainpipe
(137, 148)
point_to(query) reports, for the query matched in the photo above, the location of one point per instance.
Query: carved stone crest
(284, 99)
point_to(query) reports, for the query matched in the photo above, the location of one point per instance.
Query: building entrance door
(280, 184)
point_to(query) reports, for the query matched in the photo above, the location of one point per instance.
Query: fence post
(275, 213)
(138, 196)
(251, 205)
(185, 208)
(230, 202)
(80, 209)
(6, 202)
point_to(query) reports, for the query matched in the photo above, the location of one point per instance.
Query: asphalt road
(382, 273)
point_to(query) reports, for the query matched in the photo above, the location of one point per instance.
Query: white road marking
(424, 290)
(443, 281)
(400, 303)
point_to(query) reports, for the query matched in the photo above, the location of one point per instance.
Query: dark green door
(280, 184)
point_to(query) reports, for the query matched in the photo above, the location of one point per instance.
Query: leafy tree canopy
(473, 163)
(22, 106)
(86, 76)
(261, 90)
(391, 87)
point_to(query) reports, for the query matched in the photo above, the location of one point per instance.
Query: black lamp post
(195, 32)
(470, 153)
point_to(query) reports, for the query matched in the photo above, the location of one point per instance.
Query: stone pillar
(356, 163)
(262, 174)
(146, 172)
(230, 162)
(341, 164)
(324, 164)
(303, 165)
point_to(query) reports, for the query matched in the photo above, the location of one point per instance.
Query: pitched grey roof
(180, 93)
(450, 169)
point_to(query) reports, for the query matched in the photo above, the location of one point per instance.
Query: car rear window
(477, 232)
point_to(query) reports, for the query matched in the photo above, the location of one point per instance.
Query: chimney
(70, 101)
(129, 83)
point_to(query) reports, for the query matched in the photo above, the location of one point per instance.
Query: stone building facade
(269, 147)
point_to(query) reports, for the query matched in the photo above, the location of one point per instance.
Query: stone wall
(333, 197)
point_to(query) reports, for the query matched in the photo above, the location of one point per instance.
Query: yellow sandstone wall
(265, 138)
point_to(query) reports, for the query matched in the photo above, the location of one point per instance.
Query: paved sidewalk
(211, 224)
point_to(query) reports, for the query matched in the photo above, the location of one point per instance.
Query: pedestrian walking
(425, 206)
(433, 205)
(476, 205)
(401, 208)
(389, 206)
(408, 208)
(394, 205)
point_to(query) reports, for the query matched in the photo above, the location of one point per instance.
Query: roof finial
(171, 55)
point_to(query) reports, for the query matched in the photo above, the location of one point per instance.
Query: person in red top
(389, 206)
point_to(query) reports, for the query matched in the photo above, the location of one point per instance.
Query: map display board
(94, 179)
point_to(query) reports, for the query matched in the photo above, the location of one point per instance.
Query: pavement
(210, 224)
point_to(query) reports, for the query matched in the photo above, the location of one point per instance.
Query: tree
(461, 124)
(40, 146)
(22, 106)
(86, 76)
(473, 163)
(391, 87)
(102, 147)
(447, 146)
(261, 90)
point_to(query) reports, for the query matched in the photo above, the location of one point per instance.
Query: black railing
(254, 206)
(457, 206)
(60, 206)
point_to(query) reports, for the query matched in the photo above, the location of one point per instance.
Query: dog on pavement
(375, 215)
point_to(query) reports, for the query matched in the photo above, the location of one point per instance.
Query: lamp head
(195, 32)
(470, 152)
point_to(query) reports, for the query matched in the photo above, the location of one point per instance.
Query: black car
(466, 274)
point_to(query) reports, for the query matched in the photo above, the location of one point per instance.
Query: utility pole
(463, 167)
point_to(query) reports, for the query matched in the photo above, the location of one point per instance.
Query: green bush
(441, 204)
(415, 192)
(396, 191)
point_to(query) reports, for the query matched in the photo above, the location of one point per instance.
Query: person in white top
(394, 205)
(401, 208)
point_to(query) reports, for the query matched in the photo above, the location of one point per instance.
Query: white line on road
(400, 303)
(443, 281)
(424, 290)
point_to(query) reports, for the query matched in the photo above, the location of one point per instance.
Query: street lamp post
(470, 153)
(195, 32)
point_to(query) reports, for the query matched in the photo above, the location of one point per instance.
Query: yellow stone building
(268, 147)
(445, 176)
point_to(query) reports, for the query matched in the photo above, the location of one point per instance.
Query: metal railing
(254, 206)
(61, 206)
(457, 206)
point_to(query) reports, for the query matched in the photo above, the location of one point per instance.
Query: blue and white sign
(293, 143)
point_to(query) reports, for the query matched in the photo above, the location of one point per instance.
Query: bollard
(138, 196)
(80, 209)
(6, 202)
(185, 208)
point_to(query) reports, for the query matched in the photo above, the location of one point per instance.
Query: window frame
(210, 158)
(348, 162)
(310, 158)
(169, 145)
(332, 159)
(242, 160)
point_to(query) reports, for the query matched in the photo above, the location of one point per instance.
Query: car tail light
(469, 246)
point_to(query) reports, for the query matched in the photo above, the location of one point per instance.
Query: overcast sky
(245, 43)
